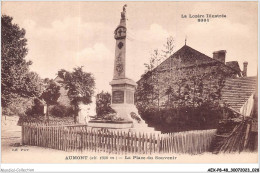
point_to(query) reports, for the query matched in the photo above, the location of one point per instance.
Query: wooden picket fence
(50, 123)
(190, 142)
(81, 138)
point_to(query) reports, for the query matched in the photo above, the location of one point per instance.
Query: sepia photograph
(129, 82)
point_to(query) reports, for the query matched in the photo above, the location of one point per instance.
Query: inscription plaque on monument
(129, 97)
(118, 97)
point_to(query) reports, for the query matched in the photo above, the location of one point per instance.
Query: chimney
(245, 69)
(220, 55)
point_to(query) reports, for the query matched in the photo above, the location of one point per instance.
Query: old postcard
(129, 82)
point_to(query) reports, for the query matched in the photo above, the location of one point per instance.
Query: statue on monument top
(123, 12)
(120, 31)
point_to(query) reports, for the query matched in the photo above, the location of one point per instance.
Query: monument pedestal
(123, 98)
(123, 103)
(110, 124)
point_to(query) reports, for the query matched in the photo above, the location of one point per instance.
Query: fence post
(88, 140)
(171, 143)
(110, 142)
(113, 142)
(124, 143)
(22, 142)
(143, 144)
(57, 138)
(146, 140)
(134, 142)
(69, 140)
(37, 135)
(129, 142)
(81, 140)
(95, 141)
(158, 143)
(139, 143)
(116, 142)
(150, 143)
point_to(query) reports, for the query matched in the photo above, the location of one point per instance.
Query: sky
(65, 35)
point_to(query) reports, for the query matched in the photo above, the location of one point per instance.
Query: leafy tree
(103, 103)
(46, 80)
(17, 81)
(37, 108)
(59, 110)
(51, 95)
(80, 86)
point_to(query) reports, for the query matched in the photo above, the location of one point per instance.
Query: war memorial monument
(123, 88)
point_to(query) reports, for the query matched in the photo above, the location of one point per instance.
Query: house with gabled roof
(235, 87)
(189, 58)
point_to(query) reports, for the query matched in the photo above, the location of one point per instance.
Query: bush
(103, 107)
(61, 111)
(30, 119)
(205, 116)
(18, 106)
(36, 110)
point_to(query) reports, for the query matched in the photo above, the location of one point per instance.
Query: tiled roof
(234, 65)
(237, 91)
(190, 57)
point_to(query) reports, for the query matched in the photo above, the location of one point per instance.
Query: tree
(169, 93)
(150, 90)
(154, 61)
(51, 95)
(17, 81)
(144, 94)
(80, 86)
(103, 103)
(166, 53)
(168, 47)
(156, 80)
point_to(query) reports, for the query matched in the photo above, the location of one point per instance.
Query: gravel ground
(10, 132)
